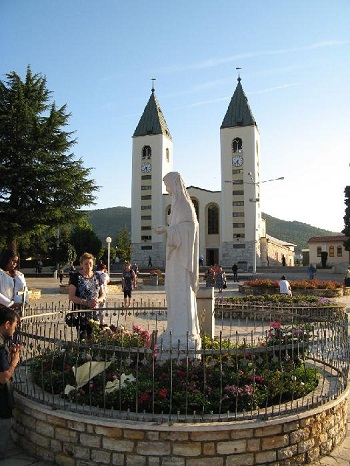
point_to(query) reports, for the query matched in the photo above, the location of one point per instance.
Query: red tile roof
(327, 239)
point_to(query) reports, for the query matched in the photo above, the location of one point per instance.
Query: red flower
(163, 392)
(143, 397)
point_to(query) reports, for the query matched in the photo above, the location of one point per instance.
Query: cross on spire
(153, 79)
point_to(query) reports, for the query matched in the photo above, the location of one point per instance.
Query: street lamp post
(255, 199)
(108, 241)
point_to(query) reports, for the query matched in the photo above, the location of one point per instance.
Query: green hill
(107, 222)
(294, 232)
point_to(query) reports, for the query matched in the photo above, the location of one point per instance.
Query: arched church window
(146, 153)
(237, 145)
(167, 156)
(213, 220)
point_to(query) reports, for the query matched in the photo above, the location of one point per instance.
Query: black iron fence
(262, 363)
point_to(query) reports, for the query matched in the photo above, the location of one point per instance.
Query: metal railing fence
(251, 370)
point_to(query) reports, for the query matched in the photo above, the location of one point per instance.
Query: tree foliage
(42, 184)
(123, 244)
(84, 239)
(346, 230)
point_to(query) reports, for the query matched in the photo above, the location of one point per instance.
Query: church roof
(152, 120)
(238, 112)
(279, 241)
(325, 239)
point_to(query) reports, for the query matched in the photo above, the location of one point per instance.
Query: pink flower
(275, 324)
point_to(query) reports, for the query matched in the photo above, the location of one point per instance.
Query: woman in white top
(285, 287)
(13, 288)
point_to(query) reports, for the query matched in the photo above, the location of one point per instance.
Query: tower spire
(238, 112)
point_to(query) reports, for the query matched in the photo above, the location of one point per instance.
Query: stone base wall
(72, 439)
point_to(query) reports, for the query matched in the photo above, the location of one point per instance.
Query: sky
(99, 57)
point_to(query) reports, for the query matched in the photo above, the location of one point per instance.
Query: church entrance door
(212, 256)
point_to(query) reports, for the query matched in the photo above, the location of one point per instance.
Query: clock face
(237, 160)
(146, 167)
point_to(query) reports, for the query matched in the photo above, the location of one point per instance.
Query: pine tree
(41, 182)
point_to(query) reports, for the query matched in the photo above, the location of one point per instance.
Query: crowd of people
(215, 276)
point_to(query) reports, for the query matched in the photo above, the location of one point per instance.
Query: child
(9, 358)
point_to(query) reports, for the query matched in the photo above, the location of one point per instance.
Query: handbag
(7, 401)
(72, 319)
(224, 285)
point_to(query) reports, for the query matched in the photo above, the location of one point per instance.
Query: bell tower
(152, 158)
(240, 183)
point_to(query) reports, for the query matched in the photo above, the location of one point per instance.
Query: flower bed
(121, 369)
(277, 307)
(326, 288)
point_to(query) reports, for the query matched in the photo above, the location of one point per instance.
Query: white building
(231, 227)
(337, 256)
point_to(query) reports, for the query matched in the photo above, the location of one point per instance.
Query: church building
(231, 229)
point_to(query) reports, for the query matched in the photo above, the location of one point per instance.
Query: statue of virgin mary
(181, 270)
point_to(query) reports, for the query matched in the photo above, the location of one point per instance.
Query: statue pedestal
(180, 346)
(205, 310)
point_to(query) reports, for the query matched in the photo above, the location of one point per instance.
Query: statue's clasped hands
(160, 229)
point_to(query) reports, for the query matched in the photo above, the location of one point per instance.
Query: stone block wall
(71, 439)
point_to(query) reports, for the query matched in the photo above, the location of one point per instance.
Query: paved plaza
(50, 295)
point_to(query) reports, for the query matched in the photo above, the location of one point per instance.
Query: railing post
(205, 310)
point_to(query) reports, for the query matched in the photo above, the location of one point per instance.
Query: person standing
(9, 359)
(149, 261)
(86, 294)
(71, 270)
(235, 271)
(220, 278)
(210, 277)
(104, 278)
(13, 287)
(285, 287)
(312, 271)
(135, 269)
(347, 277)
(61, 276)
(128, 283)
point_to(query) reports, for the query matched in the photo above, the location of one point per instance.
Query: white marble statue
(181, 271)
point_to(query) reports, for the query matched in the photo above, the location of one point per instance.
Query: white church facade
(231, 227)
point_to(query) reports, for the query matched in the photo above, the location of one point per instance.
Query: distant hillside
(107, 222)
(294, 232)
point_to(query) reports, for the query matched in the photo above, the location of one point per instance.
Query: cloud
(214, 62)
(228, 97)
(275, 88)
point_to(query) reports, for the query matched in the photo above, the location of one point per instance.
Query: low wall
(72, 439)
